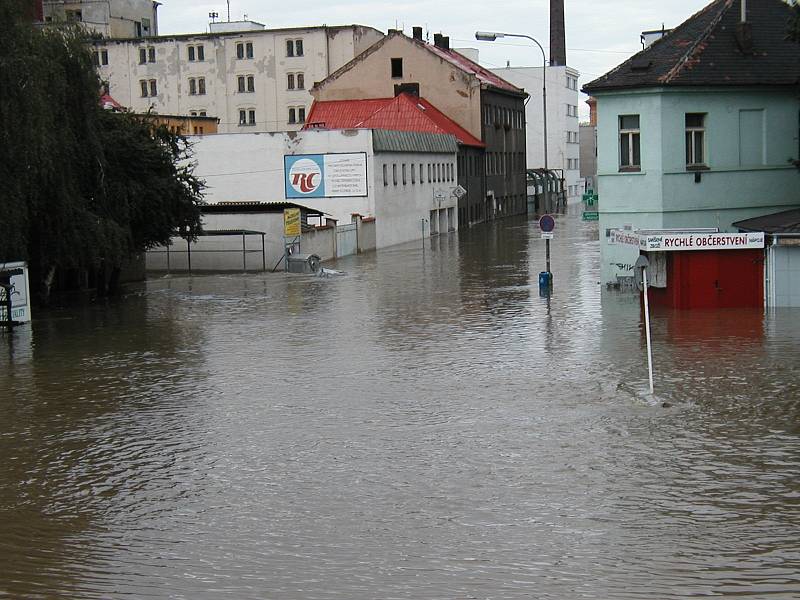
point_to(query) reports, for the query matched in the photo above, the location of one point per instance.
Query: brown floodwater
(424, 426)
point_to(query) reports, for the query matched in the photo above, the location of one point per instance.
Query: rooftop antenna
(213, 16)
(229, 10)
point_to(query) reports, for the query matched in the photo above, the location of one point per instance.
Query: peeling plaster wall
(111, 18)
(452, 91)
(221, 68)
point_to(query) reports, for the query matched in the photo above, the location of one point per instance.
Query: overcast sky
(600, 33)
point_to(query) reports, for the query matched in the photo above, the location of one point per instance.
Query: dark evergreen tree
(80, 188)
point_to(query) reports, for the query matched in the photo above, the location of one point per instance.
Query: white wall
(248, 167)
(559, 151)
(324, 50)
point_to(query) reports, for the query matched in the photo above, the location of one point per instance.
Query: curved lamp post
(491, 36)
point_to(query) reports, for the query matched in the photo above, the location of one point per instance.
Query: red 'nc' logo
(304, 182)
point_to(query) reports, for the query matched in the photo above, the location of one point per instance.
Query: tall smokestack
(558, 38)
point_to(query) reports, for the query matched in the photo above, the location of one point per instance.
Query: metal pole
(547, 253)
(168, 258)
(189, 253)
(263, 253)
(244, 253)
(647, 331)
(544, 117)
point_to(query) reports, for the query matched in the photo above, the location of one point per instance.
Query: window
(241, 83)
(385, 175)
(142, 56)
(629, 153)
(301, 114)
(244, 50)
(201, 86)
(394, 173)
(248, 47)
(404, 173)
(153, 88)
(191, 53)
(430, 179)
(292, 116)
(203, 113)
(143, 84)
(421, 174)
(413, 174)
(196, 53)
(695, 139)
(96, 58)
(290, 81)
(192, 86)
(397, 67)
(251, 83)
(294, 47)
(151, 55)
(251, 116)
(242, 117)
(201, 54)
(193, 113)
(247, 116)
(240, 50)
(301, 81)
(73, 15)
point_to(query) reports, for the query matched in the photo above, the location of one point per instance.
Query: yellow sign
(291, 222)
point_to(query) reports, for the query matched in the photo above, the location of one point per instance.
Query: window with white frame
(247, 116)
(629, 143)
(294, 48)
(244, 50)
(301, 81)
(695, 139)
(297, 114)
(197, 85)
(290, 81)
(196, 53)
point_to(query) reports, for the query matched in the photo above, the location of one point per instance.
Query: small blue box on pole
(545, 280)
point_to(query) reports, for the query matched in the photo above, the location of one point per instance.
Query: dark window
(241, 83)
(192, 87)
(191, 53)
(202, 113)
(104, 57)
(289, 48)
(290, 81)
(201, 86)
(151, 55)
(251, 83)
(240, 50)
(301, 115)
(298, 48)
(301, 81)
(252, 115)
(143, 84)
(153, 88)
(142, 56)
(292, 116)
(249, 49)
(404, 173)
(394, 173)
(96, 58)
(385, 175)
(421, 173)
(242, 117)
(397, 67)
(201, 55)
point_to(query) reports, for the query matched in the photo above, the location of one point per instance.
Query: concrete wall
(664, 194)
(449, 89)
(112, 18)
(324, 50)
(563, 148)
(588, 148)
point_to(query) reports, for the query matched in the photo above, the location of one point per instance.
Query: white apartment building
(251, 78)
(563, 136)
(109, 18)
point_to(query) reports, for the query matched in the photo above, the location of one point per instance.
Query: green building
(700, 129)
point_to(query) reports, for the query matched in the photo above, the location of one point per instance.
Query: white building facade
(563, 135)
(109, 18)
(252, 80)
(408, 181)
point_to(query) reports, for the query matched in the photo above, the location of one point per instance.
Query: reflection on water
(426, 427)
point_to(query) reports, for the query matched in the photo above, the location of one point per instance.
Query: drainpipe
(744, 11)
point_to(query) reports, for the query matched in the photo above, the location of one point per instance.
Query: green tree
(794, 22)
(82, 188)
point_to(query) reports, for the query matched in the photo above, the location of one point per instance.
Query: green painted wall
(750, 137)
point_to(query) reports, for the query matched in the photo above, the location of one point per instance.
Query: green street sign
(591, 215)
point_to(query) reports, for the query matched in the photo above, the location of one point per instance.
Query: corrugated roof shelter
(713, 48)
(784, 222)
(412, 141)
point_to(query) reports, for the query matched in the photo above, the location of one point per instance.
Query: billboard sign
(672, 242)
(292, 223)
(325, 175)
(20, 299)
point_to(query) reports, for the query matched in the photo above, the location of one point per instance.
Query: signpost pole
(647, 329)
(547, 253)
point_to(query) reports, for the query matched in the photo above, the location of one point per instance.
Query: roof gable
(453, 58)
(711, 48)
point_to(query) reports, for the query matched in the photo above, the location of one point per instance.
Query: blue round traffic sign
(547, 223)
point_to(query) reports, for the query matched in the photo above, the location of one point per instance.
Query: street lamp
(491, 36)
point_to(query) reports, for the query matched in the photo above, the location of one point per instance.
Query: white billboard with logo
(325, 175)
(20, 299)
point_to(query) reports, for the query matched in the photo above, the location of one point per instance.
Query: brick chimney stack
(558, 37)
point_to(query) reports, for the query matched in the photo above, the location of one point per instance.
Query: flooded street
(426, 426)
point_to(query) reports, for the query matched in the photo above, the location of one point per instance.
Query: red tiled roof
(402, 113)
(108, 103)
